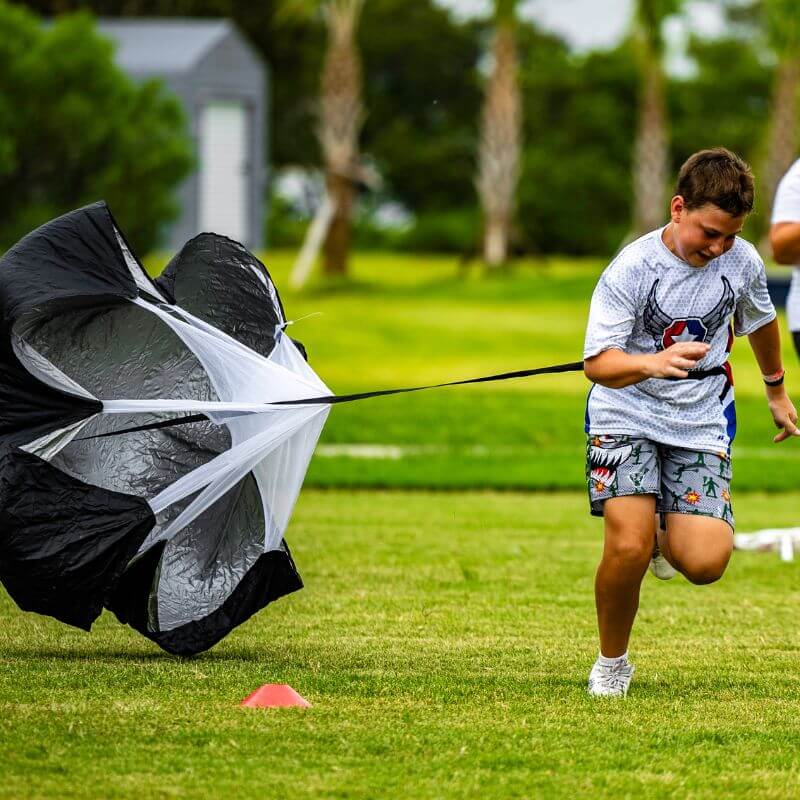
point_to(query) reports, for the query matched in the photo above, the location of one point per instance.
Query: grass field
(443, 638)
(444, 641)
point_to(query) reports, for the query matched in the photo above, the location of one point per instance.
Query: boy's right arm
(615, 369)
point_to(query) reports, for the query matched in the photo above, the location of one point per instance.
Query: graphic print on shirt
(667, 330)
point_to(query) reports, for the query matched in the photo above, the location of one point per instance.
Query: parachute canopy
(178, 529)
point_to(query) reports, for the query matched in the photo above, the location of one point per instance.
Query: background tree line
(422, 77)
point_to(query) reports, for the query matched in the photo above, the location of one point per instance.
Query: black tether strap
(333, 399)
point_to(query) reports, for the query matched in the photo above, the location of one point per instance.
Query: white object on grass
(783, 540)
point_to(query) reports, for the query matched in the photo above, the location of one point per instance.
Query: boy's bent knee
(700, 547)
(702, 577)
(706, 572)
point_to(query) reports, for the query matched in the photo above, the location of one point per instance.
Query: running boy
(660, 418)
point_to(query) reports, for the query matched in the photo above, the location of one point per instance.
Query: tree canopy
(74, 128)
(422, 73)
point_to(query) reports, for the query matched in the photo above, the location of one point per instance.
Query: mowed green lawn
(410, 320)
(444, 641)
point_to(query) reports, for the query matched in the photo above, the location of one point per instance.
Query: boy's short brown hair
(719, 177)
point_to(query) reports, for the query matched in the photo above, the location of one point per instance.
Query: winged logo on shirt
(667, 330)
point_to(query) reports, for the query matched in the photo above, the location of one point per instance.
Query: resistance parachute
(178, 530)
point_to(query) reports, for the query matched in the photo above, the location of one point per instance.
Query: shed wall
(229, 70)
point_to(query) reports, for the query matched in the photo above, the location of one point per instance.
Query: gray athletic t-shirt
(646, 300)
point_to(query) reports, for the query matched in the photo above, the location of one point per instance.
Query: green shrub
(456, 231)
(75, 129)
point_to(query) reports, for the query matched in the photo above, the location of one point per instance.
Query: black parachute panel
(179, 531)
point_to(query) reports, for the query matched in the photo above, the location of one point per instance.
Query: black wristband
(777, 382)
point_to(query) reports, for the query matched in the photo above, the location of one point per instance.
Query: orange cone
(275, 695)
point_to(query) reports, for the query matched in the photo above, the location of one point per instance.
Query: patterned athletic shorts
(684, 481)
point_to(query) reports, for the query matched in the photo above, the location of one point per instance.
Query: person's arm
(766, 344)
(616, 369)
(785, 240)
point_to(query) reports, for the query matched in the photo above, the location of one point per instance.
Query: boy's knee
(706, 571)
(633, 550)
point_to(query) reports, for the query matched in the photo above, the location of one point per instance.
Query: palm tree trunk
(312, 244)
(650, 156)
(500, 147)
(782, 142)
(339, 126)
(337, 242)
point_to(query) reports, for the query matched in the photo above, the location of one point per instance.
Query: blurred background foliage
(74, 128)
(423, 72)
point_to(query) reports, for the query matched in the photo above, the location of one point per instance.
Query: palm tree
(500, 138)
(341, 115)
(782, 18)
(651, 146)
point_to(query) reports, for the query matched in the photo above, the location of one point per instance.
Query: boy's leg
(697, 546)
(627, 549)
(696, 502)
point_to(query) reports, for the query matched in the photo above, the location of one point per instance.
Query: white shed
(223, 85)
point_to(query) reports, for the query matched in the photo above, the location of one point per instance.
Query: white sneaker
(612, 681)
(660, 567)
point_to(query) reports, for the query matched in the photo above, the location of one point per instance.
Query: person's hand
(676, 361)
(784, 414)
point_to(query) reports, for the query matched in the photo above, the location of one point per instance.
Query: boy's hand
(676, 361)
(783, 412)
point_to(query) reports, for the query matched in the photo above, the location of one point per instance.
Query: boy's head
(713, 197)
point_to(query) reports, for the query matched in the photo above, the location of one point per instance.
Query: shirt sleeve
(786, 206)
(754, 308)
(612, 313)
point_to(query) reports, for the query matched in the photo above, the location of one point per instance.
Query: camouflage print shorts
(683, 481)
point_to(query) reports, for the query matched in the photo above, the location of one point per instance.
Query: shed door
(224, 170)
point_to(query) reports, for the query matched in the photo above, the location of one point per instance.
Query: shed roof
(162, 46)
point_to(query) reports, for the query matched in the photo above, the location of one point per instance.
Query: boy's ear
(676, 208)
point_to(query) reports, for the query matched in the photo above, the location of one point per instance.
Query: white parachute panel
(275, 444)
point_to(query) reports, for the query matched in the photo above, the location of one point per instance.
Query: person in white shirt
(785, 239)
(661, 417)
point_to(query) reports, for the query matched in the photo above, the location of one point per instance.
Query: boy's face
(702, 234)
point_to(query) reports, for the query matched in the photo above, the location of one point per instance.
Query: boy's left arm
(766, 344)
